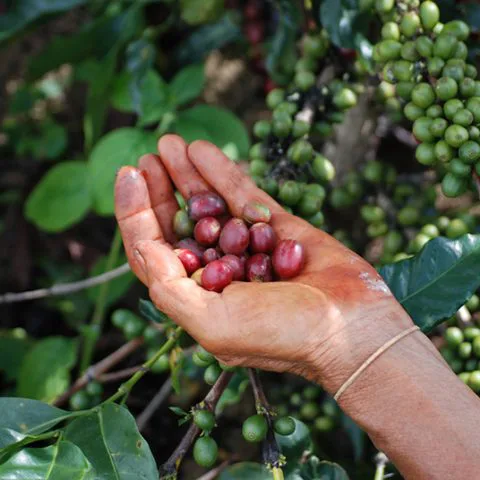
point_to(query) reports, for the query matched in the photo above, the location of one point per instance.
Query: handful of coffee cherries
(226, 249)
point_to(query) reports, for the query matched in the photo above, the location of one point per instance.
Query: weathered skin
(322, 324)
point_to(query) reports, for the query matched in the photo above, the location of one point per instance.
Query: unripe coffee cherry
(255, 212)
(288, 258)
(284, 426)
(384, 6)
(206, 204)
(300, 128)
(300, 152)
(424, 46)
(410, 24)
(216, 276)
(80, 400)
(443, 151)
(469, 152)
(322, 168)
(210, 255)
(456, 135)
(254, 428)
(423, 95)
(204, 419)
(345, 98)
(444, 46)
(190, 261)
(474, 381)
(425, 154)
(458, 29)
(274, 98)
(205, 452)
(234, 237)
(446, 88)
(236, 264)
(456, 228)
(290, 193)
(390, 31)
(262, 129)
(262, 238)
(258, 268)
(453, 186)
(207, 231)
(304, 80)
(429, 14)
(182, 225)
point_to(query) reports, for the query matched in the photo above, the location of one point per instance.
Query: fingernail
(144, 174)
(140, 260)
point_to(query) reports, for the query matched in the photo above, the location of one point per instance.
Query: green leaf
(51, 142)
(356, 434)
(94, 41)
(118, 148)
(140, 55)
(435, 283)
(187, 84)
(284, 39)
(209, 37)
(26, 417)
(179, 411)
(117, 287)
(12, 351)
(45, 370)
(196, 12)
(151, 312)
(23, 12)
(346, 25)
(109, 438)
(314, 469)
(293, 446)
(63, 461)
(61, 198)
(232, 136)
(244, 470)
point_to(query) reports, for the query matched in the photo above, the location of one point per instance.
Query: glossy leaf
(61, 198)
(45, 370)
(232, 136)
(120, 147)
(346, 25)
(435, 283)
(314, 469)
(110, 440)
(63, 461)
(13, 349)
(209, 37)
(283, 41)
(117, 287)
(244, 470)
(293, 446)
(26, 417)
(23, 12)
(187, 84)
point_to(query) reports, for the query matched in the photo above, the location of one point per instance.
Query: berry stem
(169, 469)
(95, 327)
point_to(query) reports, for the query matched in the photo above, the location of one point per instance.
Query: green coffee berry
(463, 117)
(423, 95)
(408, 216)
(390, 31)
(204, 355)
(262, 129)
(474, 381)
(456, 135)
(470, 333)
(459, 169)
(453, 186)
(429, 14)
(435, 66)
(444, 46)
(469, 152)
(205, 451)
(290, 193)
(402, 70)
(300, 152)
(304, 80)
(211, 374)
(340, 198)
(284, 426)
(418, 242)
(476, 346)
(94, 389)
(282, 124)
(473, 304)
(458, 29)
(438, 127)
(464, 350)
(258, 167)
(464, 377)
(421, 129)
(314, 46)
(404, 90)
(345, 99)
(426, 154)
(308, 64)
(446, 88)
(434, 111)
(410, 24)
(274, 98)
(372, 213)
(456, 228)
(454, 337)
(254, 428)
(204, 419)
(80, 400)
(471, 72)
(461, 51)
(309, 205)
(300, 128)
(317, 220)
(467, 87)
(473, 104)
(451, 107)
(322, 168)
(392, 242)
(453, 71)
(388, 50)
(412, 111)
(162, 364)
(424, 46)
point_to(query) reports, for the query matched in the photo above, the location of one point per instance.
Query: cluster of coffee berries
(203, 359)
(205, 449)
(225, 249)
(424, 63)
(310, 404)
(90, 396)
(462, 348)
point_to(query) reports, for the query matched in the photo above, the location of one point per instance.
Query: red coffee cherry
(258, 268)
(256, 212)
(216, 276)
(234, 237)
(207, 231)
(210, 255)
(288, 258)
(237, 264)
(190, 261)
(262, 238)
(254, 31)
(206, 204)
(192, 245)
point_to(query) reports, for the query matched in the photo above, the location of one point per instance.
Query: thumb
(171, 290)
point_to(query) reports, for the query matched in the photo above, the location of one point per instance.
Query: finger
(173, 292)
(173, 154)
(227, 178)
(162, 197)
(135, 217)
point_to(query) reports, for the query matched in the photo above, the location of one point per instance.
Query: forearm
(417, 411)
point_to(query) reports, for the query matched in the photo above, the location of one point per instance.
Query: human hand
(321, 324)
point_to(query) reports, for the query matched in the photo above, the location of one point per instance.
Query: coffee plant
(360, 116)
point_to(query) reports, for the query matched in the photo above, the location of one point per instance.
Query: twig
(213, 474)
(155, 402)
(64, 288)
(101, 367)
(118, 375)
(170, 468)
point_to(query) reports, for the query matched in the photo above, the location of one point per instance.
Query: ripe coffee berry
(207, 231)
(190, 261)
(288, 258)
(234, 237)
(209, 255)
(216, 276)
(237, 265)
(258, 268)
(262, 238)
(192, 245)
(206, 204)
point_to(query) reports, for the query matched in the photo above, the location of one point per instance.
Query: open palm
(303, 325)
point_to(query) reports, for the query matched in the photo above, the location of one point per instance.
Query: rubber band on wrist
(372, 358)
